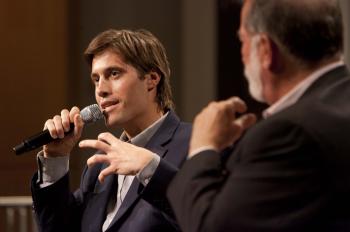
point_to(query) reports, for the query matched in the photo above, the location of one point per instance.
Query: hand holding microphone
(61, 132)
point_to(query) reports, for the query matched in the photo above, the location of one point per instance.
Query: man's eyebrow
(114, 67)
(92, 75)
(109, 69)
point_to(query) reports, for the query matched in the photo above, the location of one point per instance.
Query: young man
(291, 171)
(119, 191)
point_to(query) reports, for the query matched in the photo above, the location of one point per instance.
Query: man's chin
(111, 122)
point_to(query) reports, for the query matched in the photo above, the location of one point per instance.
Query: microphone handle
(37, 141)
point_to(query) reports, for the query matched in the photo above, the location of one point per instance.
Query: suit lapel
(98, 203)
(156, 145)
(164, 133)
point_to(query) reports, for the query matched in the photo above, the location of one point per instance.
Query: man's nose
(103, 88)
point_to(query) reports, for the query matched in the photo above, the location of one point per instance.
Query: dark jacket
(144, 209)
(289, 172)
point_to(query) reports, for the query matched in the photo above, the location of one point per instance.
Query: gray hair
(307, 30)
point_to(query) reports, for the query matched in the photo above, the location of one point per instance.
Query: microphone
(89, 114)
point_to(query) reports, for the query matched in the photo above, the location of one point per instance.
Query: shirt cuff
(51, 169)
(145, 175)
(200, 149)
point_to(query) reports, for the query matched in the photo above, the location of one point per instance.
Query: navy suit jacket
(144, 209)
(289, 172)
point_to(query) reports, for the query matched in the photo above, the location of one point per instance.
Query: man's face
(119, 91)
(250, 58)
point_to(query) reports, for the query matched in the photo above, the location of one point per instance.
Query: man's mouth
(108, 105)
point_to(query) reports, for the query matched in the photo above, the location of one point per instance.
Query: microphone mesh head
(91, 113)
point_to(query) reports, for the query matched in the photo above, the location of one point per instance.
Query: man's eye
(115, 73)
(95, 79)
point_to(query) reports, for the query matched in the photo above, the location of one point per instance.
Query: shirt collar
(294, 95)
(144, 136)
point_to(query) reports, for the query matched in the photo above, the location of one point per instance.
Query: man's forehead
(107, 60)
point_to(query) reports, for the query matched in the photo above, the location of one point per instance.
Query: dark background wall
(230, 75)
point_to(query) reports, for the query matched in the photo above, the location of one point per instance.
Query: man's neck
(142, 122)
(292, 77)
(294, 94)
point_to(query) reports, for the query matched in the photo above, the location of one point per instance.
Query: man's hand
(57, 126)
(216, 126)
(123, 158)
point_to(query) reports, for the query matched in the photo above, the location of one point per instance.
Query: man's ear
(265, 51)
(269, 54)
(152, 79)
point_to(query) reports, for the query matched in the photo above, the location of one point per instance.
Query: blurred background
(43, 71)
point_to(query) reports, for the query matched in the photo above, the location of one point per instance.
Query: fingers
(107, 138)
(105, 172)
(78, 126)
(237, 104)
(101, 159)
(60, 124)
(65, 120)
(240, 125)
(246, 121)
(229, 107)
(57, 120)
(74, 116)
(96, 144)
(218, 125)
(74, 111)
(97, 159)
(50, 126)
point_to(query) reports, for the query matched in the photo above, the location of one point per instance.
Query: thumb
(240, 125)
(246, 121)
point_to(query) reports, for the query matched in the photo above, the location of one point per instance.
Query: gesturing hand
(123, 158)
(217, 126)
